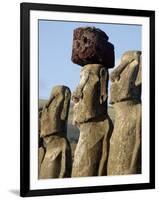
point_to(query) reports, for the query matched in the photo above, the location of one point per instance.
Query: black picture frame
(25, 9)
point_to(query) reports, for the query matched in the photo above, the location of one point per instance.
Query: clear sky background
(55, 49)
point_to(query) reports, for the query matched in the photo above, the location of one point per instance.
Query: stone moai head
(90, 96)
(126, 78)
(91, 46)
(55, 112)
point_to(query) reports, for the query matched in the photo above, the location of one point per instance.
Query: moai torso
(91, 151)
(56, 161)
(90, 115)
(125, 95)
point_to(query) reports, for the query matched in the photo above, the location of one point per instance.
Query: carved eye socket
(84, 39)
(75, 99)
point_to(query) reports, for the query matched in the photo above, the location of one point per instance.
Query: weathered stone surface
(41, 153)
(91, 46)
(126, 78)
(90, 96)
(56, 161)
(73, 147)
(90, 115)
(55, 112)
(88, 153)
(125, 143)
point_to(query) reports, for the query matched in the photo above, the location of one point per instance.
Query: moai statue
(95, 54)
(90, 116)
(56, 162)
(125, 95)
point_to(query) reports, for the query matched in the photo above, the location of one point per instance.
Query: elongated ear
(103, 85)
(66, 104)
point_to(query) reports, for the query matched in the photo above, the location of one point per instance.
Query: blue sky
(55, 48)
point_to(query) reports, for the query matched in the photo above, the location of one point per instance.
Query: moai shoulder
(57, 161)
